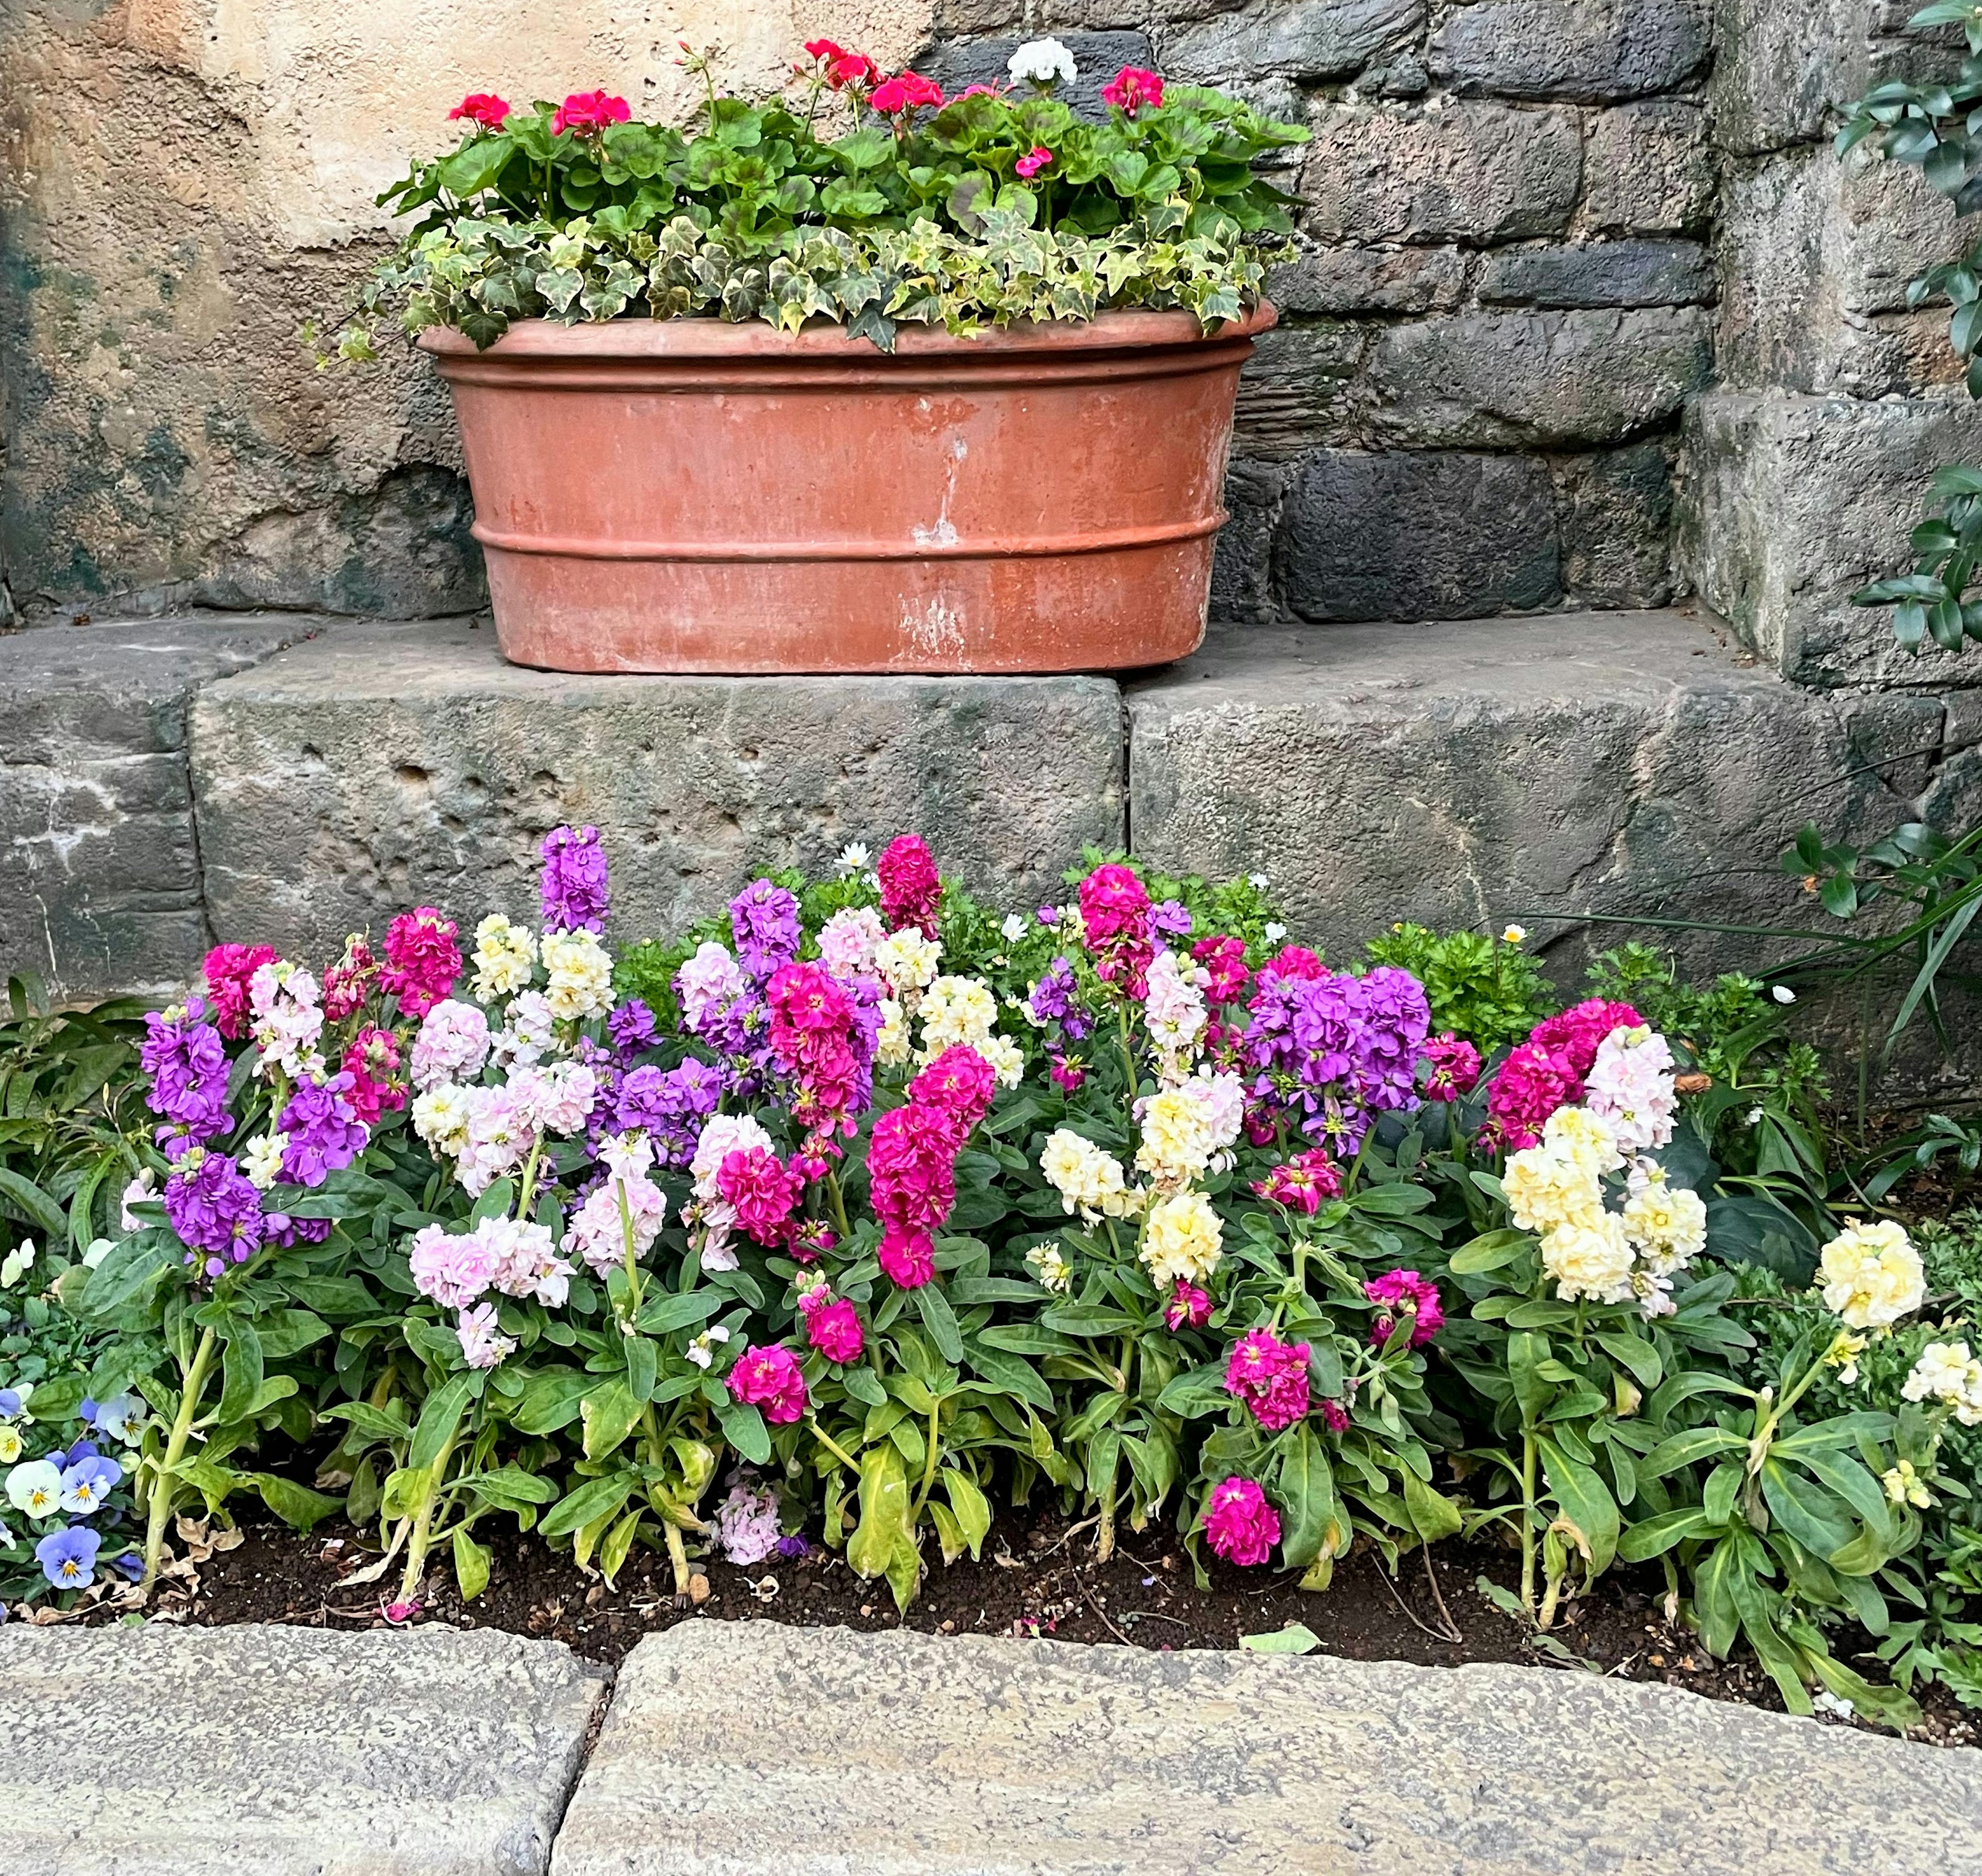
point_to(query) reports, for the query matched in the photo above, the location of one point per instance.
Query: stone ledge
(278, 1751)
(734, 1748)
(99, 867)
(1464, 774)
(380, 766)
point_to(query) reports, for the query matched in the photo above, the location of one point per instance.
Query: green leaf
(1310, 1511)
(1433, 1515)
(743, 1427)
(1493, 1251)
(595, 1500)
(1634, 1353)
(884, 1511)
(127, 1267)
(972, 1507)
(1655, 1536)
(471, 1566)
(240, 1372)
(1296, 1638)
(659, 1314)
(36, 1203)
(608, 1413)
(439, 1416)
(941, 1321)
(1585, 1500)
(296, 1505)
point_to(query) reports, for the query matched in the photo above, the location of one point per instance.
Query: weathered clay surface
(726, 1753)
(99, 870)
(1791, 503)
(377, 768)
(1459, 774)
(277, 1751)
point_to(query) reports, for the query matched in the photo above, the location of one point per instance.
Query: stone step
(290, 779)
(279, 1751)
(735, 1748)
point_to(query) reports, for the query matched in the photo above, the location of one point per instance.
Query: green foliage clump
(1483, 988)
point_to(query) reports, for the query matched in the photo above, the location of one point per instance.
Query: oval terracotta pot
(683, 494)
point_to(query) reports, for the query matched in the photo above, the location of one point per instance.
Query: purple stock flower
(1330, 1051)
(575, 891)
(765, 919)
(187, 1061)
(1170, 917)
(670, 1105)
(283, 1231)
(631, 1026)
(214, 1209)
(68, 1558)
(1056, 998)
(324, 1134)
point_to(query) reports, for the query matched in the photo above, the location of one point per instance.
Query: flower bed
(863, 1212)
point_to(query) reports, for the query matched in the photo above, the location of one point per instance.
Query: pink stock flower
(482, 108)
(1239, 1523)
(1270, 1376)
(1529, 1087)
(833, 1325)
(1335, 1415)
(348, 982)
(1034, 160)
(1132, 88)
(911, 888)
(1188, 1305)
(1224, 959)
(1400, 1290)
(228, 969)
(960, 1082)
(423, 961)
(1303, 1183)
(588, 113)
(1115, 917)
(768, 1379)
(908, 1258)
(909, 90)
(1452, 1067)
(763, 1191)
(1068, 1073)
(813, 1034)
(1579, 1030)
(1296, 960)
(372, 1062)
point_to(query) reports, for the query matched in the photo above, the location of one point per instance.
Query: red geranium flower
(1033, 161)
(1132, 87)
(588, 113)
(482, 108)
(908, 92)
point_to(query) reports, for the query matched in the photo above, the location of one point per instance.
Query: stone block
(1242, 573)
(1097, 57)
(1298, 388)
(1647, 170)
(1531, 769)
(376, 769)
(1791, 503)
(99, 869)
(1616, 526)
(1364, 280)
(281, 1751)
(1477, 173)
(1592, 51)
(1815, 255)
(976, 1754)
(1524, 380)
(1307, 39)
(1404, 534)
(1602, 273)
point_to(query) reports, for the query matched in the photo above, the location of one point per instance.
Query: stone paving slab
(99, 867)
(276, 1752)
(378, 767)
(1464, 773)
(736, 1748)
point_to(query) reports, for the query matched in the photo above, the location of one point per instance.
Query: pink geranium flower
(482, 108)
(1033, 161)
(909, 91)
(1132, 88)
(588, 113)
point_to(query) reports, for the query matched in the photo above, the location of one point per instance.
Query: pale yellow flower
(1668, 1224)
(440, 1116)
(1177, 1143)
(504, 956)
(1871, 1274)
(1905, 1486)
(1050, 1267)
(1591, 1258)
(580, 970)
(1585, 1139)
(891, 1046)
(954, 1010)
(1545, 1190)
(907, 960)
(1087, 1179)
(1182, 1240)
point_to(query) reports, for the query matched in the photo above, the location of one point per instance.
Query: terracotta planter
(683, 494)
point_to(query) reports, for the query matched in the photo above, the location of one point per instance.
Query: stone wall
(1472, 406)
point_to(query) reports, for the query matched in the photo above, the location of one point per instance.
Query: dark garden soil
(1037, 1578)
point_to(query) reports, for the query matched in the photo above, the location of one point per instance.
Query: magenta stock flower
(1336, 1416)
(575, 891)
(763, 1191)
(833, 1325)
(768, 1379)
(1529, 1087)
(1224, 958)
(1239, 1525)
(1270, 1376)
(911, 888)
(1115, 917)
(228, 969)
(348, 982)
(1579, 1030)
(1398, 1291)
(958, 1083)
(1451, 1067)
(372, 1060)
(818, 1037)
(1188, 1306)
(423, 960)
(1303, 1183)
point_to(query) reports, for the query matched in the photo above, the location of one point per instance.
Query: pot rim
(703, 337)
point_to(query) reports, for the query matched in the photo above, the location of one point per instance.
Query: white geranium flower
(1043, 62)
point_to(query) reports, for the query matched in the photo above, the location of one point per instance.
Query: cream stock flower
(1668, 1224)
(1946, 1372)
(891, 1046)
(1871, 1274)
(1177, 1143)
(1587, 1140)
(504, 956)
(907, 960)
(956, 1009)
(1545, 1190)
(581, 975)
(1050, 1267)
(1087, 1179)
(440, 1117)
(1182, 1240)
(1591, 1258)
(1007, 1059)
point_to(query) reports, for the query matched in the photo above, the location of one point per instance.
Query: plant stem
(422, 1537)
(832, 1446)
(626, 1239)
(928, 1469)
(1530, 1458)
(1128, 1052)
(163, 1488)
(677, 1556)
(834, 1193)
(528, 1190)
